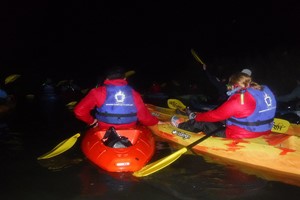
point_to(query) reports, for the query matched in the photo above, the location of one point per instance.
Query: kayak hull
(127, 159)
(277, 154)
(274, 157)
(165, 115)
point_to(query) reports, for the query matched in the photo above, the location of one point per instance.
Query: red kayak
(119, 157)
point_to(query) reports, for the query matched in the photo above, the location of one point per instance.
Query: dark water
(34, 130)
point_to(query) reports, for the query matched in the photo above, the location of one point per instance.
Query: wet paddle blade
(159, 164)
(61, 83)
(196, 56)
(11, 78)
(176, 104)
(72, 103)
(280, 125)
(129, 73)
(61, 147)
(164, 162)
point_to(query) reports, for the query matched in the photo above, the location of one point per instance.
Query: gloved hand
(191, 125)
(187, 125)
(94, 124)
(192, 115)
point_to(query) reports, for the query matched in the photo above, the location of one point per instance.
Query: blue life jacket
(3, 94)
(262, 118)
(118, 107)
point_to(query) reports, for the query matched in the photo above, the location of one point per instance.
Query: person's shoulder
(237, 96)
(135, 92)
(234, 97)
(96, 89)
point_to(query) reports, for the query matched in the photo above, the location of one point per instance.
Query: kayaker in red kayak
(115, 103)
(249, 111)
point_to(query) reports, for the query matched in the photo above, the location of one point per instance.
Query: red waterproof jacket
(233, 108)
(97, 96)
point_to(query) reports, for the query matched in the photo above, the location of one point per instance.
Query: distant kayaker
(3, 96)
(293, 95)
(155, 88)
(114, 103)
(221, 83)
(249, 111)
(218, 83)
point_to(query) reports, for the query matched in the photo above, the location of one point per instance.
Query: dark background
(79, 39)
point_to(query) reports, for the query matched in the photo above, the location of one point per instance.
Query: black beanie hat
(115, 73)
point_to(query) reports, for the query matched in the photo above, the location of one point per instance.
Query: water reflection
(200, 180)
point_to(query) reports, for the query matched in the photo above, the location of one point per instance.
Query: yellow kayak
(165, 115)
(274, 157)
(276, 154)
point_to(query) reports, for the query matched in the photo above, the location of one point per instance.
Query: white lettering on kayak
(181, 134)
(155, 114)
(279, 126)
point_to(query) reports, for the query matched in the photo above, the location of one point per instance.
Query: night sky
(54, 38)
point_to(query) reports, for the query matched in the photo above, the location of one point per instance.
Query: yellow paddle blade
(61, 147)
(129, 73)
(30, 96)
(84, 91)
(72, 103)
(176, 104)
(196, 56)
(159, 164)
(61, 82)
(11, 78)
(280, 125)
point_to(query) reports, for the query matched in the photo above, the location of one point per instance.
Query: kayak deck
(128, 159)
(277, 154)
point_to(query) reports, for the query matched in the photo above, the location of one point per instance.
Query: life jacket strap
(258, 123)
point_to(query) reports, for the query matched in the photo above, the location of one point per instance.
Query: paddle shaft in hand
(204, 138)
(164, 162)
(280, 125)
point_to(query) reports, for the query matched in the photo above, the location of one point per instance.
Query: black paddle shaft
(204, 138)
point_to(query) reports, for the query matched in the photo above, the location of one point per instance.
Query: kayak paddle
(176, 104)
(164, 162)
(197, 57)
(129, 73)
(69, 142)
(280, 125)
(61, 147)
(11, 78)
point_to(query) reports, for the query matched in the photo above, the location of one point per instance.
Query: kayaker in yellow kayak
(249, 111)
(293, 95)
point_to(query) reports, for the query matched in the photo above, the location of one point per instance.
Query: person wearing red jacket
(115, 103)
(248, 113)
